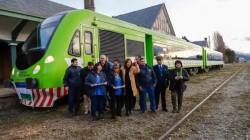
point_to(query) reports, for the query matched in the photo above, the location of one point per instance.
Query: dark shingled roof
(200, 43)
(144, 17)
(38, 8)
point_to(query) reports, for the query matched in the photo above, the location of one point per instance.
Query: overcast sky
(195, 19)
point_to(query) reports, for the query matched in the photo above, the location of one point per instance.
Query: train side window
(74, 47)
(88, 42)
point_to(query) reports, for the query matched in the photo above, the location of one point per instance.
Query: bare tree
(219, 43)
(209, 42)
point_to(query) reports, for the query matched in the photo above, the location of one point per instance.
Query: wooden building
(155, 18)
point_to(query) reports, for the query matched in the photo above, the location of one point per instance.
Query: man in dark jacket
(72, 82)
(178, 76)
(84, 72)
(106, 69)
(161, 72)
(146, 83)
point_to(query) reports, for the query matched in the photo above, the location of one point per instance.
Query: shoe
(154, 111)
(165, 110)
(130, 112)
(70, 115)
(174, 111)
(77, 114)
(86, 112)
(127, 113)
(113, 117)
(101, 117)
(93, 118)
(143, 112)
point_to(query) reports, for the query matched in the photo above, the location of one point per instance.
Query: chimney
(89, 4)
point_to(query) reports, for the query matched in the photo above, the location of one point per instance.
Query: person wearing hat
(178, 76)
(162, 73)
(83, 73)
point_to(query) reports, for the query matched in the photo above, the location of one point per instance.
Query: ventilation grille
(112, 45)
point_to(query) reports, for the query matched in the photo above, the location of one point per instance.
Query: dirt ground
(225, 116)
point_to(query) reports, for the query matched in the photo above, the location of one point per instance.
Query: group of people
(110, 84)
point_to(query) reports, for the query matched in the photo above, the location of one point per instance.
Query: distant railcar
(83, 34)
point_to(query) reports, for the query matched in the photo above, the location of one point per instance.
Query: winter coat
(112, 80)
(83, 73)
(178, 85)
(132, 72)
(91, 79)
(72, 77)
(164, 74)
(146, 77)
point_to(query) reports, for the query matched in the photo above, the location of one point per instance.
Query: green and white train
(83, 34)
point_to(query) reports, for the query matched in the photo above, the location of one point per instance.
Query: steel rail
(164, 136)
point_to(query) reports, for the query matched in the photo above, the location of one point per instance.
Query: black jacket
(111, 80)
(164, 75)
(178, 85)
(72, 77)
(83, 73)
(146, 77)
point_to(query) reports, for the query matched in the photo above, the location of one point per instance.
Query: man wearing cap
(162, 75)
(83, 73)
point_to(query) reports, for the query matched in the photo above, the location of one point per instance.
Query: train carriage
(83, 34)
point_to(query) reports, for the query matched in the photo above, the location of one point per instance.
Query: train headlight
(36, 70)
(13, 71)
(49, 59)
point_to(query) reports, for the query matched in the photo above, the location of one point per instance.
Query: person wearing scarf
(178, 76)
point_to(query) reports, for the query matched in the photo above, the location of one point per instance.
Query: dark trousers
(178, 94)
(116, 104)
(74, 99)
(97, 102)
(134, 101)
(160, 90)
(129, 101)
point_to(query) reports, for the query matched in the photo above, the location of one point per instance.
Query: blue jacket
(111, 81)
(91, 79)
(72, 77)
(146, 77)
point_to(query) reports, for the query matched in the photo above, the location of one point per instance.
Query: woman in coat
(178, 76)
(116, 85)
(96, 81)
(128, 76)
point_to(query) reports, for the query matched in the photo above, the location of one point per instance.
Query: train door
(88, 42)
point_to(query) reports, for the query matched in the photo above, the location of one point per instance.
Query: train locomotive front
(41, 63)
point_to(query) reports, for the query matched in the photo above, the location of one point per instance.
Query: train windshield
(37, 43)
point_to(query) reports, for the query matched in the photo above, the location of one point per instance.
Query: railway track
(181, 121)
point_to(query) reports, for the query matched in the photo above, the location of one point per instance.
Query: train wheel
(206, 69)
(190, 71)
(196, 70)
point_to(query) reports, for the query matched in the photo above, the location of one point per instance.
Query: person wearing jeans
(146, 83)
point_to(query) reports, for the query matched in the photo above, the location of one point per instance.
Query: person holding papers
(96, 81)
(116, 84)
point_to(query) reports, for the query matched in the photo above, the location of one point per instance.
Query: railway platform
(8, 98)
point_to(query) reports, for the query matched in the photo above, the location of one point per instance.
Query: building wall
(5, 65)
(161, 24)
